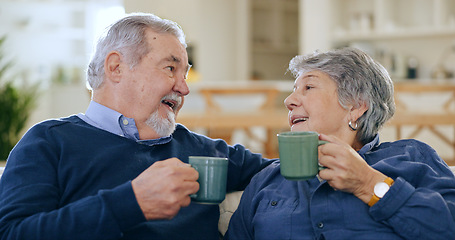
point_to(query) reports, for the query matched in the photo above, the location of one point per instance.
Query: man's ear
(112, 66)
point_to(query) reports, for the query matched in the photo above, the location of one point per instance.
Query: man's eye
(308, 87)
(171, 68)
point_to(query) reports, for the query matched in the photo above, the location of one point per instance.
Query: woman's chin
(299, 128)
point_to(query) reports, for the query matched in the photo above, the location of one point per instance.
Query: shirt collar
(114, 122)
(367, 147)
(103, 117)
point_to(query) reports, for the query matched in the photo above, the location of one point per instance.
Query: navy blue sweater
(66, 179)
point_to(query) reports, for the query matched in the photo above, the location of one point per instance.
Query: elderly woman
(369, 190)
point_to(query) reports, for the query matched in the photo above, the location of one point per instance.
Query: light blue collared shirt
(114, 122)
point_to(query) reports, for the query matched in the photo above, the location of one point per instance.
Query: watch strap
(374, 199)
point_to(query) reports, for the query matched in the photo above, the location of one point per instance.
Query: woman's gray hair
(359, 79)
(127, 36)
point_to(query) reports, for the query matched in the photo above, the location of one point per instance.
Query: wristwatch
(380, 189)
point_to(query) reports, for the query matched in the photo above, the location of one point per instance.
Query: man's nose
(181, 86)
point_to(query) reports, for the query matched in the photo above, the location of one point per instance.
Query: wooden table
(268, 118)
(220, 123)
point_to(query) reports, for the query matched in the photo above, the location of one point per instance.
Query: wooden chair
(425, 119)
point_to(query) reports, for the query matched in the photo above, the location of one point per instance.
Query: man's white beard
(162, 126)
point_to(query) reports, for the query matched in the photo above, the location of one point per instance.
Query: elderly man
(119, 171)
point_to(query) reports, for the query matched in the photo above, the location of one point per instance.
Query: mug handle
(194, 195)
(322, 142)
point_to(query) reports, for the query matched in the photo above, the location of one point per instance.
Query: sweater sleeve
(31, 205)
(243, 164)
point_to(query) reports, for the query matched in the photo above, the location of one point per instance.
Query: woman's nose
(290, 102)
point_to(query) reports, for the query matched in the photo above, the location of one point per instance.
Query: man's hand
(163, 188)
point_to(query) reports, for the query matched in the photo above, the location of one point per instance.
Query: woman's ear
(358, 111)
(112, 66)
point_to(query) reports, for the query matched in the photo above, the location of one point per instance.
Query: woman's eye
(308, 87)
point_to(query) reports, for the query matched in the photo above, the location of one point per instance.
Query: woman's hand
(346, 169)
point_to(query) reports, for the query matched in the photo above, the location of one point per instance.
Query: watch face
(380, 189)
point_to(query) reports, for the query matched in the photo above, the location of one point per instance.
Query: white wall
(210, 26)
(46, 37)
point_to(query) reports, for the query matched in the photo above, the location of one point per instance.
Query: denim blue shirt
(114, 122)
(419, 205)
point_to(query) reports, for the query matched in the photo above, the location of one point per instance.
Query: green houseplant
(16, 104)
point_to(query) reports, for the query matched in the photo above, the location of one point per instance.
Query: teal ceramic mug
(299, 155)
(212, 179)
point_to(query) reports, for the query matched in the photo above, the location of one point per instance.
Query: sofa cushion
(227, 208)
